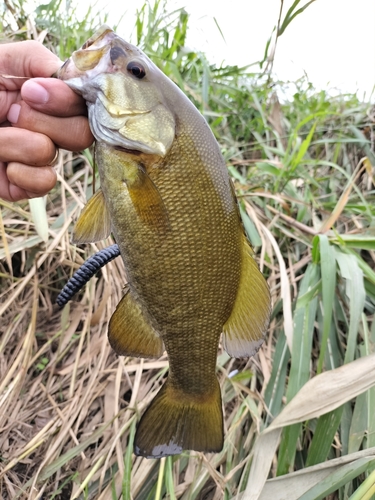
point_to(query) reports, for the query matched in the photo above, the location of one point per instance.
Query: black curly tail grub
(86, 272)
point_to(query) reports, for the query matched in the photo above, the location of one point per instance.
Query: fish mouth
(89, 56)
(129, 151)
(104, 33)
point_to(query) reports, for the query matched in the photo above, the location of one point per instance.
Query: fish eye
(136, 69)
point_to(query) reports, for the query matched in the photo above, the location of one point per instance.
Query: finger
(52, 97)
(8, 191)
(72, 133)
(12, 192)
(25, 146)
(28, 58)
(6, 100)
(36, 180)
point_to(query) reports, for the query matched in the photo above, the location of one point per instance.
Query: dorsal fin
(244, 331)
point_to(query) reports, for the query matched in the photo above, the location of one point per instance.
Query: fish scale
(167, 197)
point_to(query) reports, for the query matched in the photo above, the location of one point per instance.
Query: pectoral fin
(94, 223)
(244, 331)
(147, 201)
(129, 332)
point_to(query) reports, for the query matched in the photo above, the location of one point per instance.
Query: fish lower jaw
(115, 139)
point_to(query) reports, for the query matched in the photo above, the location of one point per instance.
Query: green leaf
(328, 273)
(126, 480)
(363, 242)
(338, 478)
(370, 341)
(356, 294)
(250, 228)
(367, 489)
(324, 434)
(302, 150)
(275, 388)
(291, 14)
(39, 216)
(304, 318)
(359, 424)
(318, 396)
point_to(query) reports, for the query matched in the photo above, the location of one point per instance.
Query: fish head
(125, 94)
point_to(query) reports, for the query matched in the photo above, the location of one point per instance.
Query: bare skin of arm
(37, 116)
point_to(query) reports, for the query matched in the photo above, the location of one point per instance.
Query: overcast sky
(333, 41)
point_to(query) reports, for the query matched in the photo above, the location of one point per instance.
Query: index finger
(52, 97)
(27, 59)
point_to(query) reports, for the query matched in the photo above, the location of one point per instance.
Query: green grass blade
(169, 478)
(324, 434)
(159, 484)
(276, 385)
(39, 216)
(338, 478)
(371, 392)
(304, 318)
(328, 273)
(295, 484)
(302, 150)
(356, 294)
(291, 14)
(288, 448)
(126, 480)
(359, 423)
(250, 228)
(363, 242)
(367, 489)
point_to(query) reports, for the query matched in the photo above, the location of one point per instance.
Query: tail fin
(176, 421)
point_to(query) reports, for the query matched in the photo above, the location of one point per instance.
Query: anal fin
(94, 223)
(129, 332)
(244, 331)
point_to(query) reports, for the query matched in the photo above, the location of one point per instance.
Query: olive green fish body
(167, 197)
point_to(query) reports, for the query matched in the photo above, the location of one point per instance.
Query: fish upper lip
(104, 100)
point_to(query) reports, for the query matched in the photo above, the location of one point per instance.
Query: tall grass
(299, 418)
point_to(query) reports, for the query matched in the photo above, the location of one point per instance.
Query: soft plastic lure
(86, 272)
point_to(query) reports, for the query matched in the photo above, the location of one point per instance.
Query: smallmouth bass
(168, 200)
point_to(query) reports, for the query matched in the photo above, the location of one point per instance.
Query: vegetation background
(299, 417)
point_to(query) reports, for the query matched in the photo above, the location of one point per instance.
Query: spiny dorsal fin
(94, 223)
(244, 331)
(129, 332)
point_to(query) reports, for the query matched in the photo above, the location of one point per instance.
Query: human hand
(36, 115)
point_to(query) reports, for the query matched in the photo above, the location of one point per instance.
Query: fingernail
(32, 91)
(13, 113)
